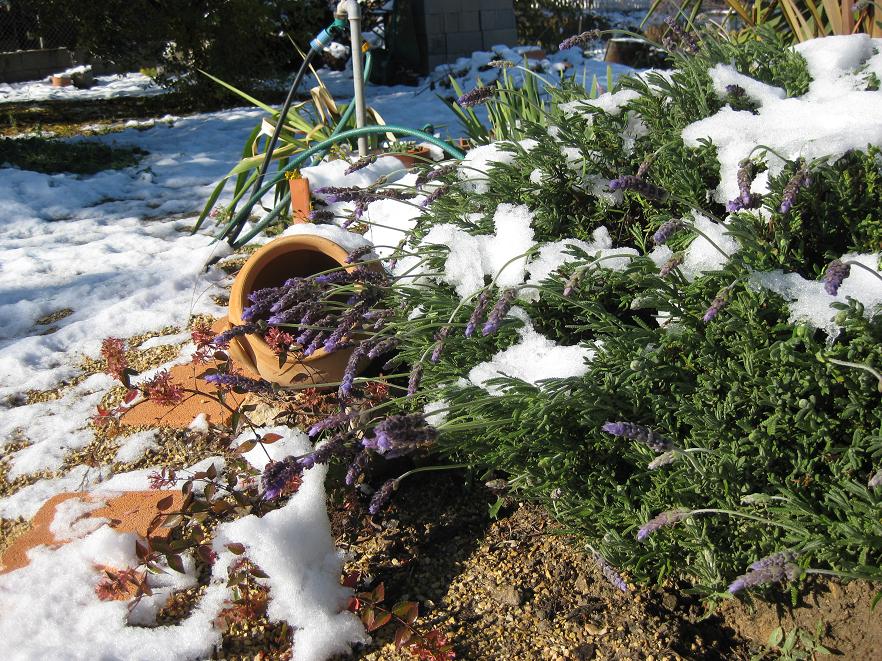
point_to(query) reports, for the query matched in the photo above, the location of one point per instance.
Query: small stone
(581, 584)
(506, 595)
(670, 601)
(584, 652)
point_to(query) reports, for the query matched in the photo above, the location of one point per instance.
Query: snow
(532, 359)
(304, 569)
(498, 255)
(105, 87)
(810, 304)
(473, 169)
(701, 256)
(809, 126)
(133, 447)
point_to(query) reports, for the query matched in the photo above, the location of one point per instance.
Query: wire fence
(22, 29)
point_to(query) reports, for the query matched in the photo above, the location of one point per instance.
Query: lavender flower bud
(276, 476)
(398, 435)
(357, 467)
(476, 96)
(382, 496)
(630, 182)
(223, 339)
(735, 91)
(668, 518)
(339, 194)
(324, 452)
(413, 383)
(609, 572)
(778, 559)
(836, 272)
(358, 253)
(501, 64)
(361, 164)
(434, 195)
(670, 265)
(346, 383)
(383, 347)
(572, 282)
(478, 313)
(239, 382)
(773, 569)
(687, 39)
(503, 305)
(426, 177)
(440, 339)
(644, 168)
(799, 180)
(320, 216)
(876, 481)
(716, 305)
(639, 433)
(337, 420)
(666, 231)
(663, 459)
(579, 39)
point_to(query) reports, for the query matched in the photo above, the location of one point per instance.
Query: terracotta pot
(61, 81)
(278, 260)
(301, 203)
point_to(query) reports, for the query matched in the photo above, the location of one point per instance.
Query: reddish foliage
(162, 479)
(433, 646)
(121, 585)
(113, 350)
(161, 390)
(279, 341)
(202, 335)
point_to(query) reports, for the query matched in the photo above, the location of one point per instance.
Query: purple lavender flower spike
(572, 282)
(645, 435)
(440, 339)
(223, 339)
(381, 496)
(399, 435)
(668, 518)
(630, 182)
(320, 216)
(426, 177)
(276, 475)
(357, 468)
(434, 195)
(663, 459)
(476, 97)
(837, 271)
(346, 383)
(687, 39)
(361, 164)
(337, 420)
(670, 265)
(503, 305)
(383, 347)
(324, 452)
(478, 313)
(716, 305)
(239, 382)
(775, 568)
(799, 180)
(609, 572)
(666, 231)
(735, 91)
(413, 382)
(358, 253)
(579, 39)
(780, 559)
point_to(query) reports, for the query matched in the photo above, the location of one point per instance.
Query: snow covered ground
(114, 249)
(105, 87)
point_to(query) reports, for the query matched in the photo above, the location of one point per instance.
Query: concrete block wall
(448, 29)
(33, 64)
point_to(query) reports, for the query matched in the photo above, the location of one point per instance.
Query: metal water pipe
(351, 9)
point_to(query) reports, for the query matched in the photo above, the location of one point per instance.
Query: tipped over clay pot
(280, 259)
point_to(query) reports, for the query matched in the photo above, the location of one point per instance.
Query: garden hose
(316, 45)
(238, 221)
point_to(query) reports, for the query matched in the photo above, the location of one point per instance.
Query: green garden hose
(238, 221)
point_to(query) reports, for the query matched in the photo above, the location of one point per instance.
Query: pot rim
(271, 250)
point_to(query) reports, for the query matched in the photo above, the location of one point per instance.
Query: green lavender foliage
(784, 434)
